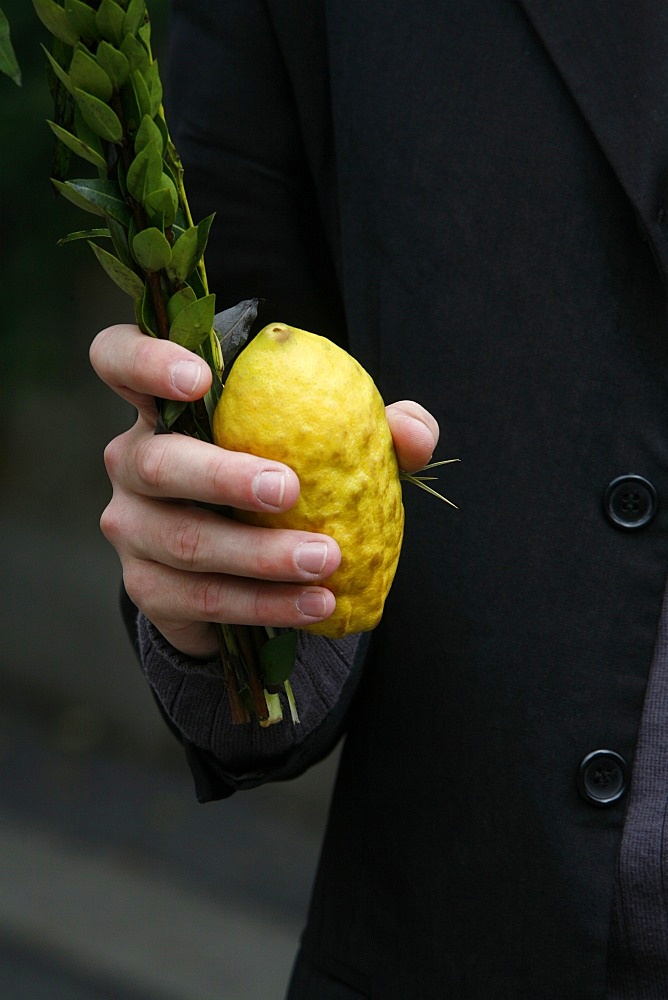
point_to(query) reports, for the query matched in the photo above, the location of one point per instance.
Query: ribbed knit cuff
(194, 697)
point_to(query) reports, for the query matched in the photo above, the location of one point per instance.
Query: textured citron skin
(297, 398)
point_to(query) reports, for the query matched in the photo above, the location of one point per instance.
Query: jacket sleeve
(225, 757)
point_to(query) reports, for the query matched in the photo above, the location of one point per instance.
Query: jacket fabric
(474, 198)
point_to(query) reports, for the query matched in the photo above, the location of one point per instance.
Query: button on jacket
(470, 195)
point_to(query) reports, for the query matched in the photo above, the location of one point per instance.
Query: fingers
(415, 433)
(141, 368)
(173, 600)
(175, 466)
(191, 539)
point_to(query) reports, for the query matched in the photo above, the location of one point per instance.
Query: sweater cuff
(194, 697)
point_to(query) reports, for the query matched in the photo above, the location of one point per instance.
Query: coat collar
(613, 57)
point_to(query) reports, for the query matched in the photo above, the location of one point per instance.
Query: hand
(185, 566)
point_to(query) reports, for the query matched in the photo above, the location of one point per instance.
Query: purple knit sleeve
(194, 698)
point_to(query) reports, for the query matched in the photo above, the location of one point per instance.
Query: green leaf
(145, 313)
(97, 196)
(77, 146)
(109, 20)
(193, 323)
(135, 53)
(82, 19)
(114, 63)
(148, 132)
(151, 249)
(83, 234)
(8, 61)
(86, 74)
(142, 94)
(134, 17)
(55, 20)
(99, 116)
(163, 203)
(145, 172)
(185, 254)
(58, 71)
(85, 134)
(179, 301)
(119, 237)
(154, 86)
(171, 410)
(277, 657)
(121, 275)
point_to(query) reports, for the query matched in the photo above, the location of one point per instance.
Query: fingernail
(186, 376)
(269, 487)
(311, 556)
(312, 604)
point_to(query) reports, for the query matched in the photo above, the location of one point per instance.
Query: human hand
(185, 566)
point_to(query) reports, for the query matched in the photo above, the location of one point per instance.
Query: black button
(630, 502)
(602, 777)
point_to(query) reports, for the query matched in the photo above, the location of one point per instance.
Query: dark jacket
(472, 195)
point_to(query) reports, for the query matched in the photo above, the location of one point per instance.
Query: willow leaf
(77, 146)
(193, 323)
(98, 196)
(121, 275)
(83, 234)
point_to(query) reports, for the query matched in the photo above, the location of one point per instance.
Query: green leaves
(109, 113)
(8, 61)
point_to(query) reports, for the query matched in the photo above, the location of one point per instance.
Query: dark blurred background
(114, 882)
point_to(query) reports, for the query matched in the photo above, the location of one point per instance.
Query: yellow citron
(297, 398)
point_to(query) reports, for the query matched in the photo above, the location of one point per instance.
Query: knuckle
(136, 580)
(210, 593)
(151, 462)
(186, 540)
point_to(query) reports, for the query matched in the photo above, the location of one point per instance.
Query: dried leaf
(233, 327)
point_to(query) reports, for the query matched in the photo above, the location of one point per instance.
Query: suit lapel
(613, 57)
